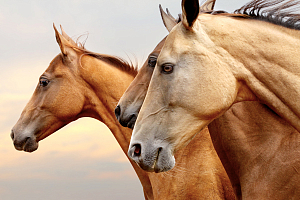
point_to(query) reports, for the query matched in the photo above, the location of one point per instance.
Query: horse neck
(105, 85)
(265, 61)
(248, 135)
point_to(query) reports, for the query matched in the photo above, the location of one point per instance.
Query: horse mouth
(147, 166)
(131, 121)
(155, 167)
(28, 145)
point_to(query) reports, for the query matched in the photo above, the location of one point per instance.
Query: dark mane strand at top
(113, 60)
(281, 12)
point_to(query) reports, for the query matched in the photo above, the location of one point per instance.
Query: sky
(82, 160)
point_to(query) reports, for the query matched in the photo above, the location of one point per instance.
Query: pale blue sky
(83, 160)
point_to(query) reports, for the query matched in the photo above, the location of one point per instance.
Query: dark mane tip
(113, 60)
(217, 12)
(280, 12)
(117, 62)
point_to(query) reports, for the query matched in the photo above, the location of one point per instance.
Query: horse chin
(164, 164)
(31, 147)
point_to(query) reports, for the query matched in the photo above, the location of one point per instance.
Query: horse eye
(167, 68)
(152, 61)
(44, 82)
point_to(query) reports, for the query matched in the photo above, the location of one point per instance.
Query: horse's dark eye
(167, 68)
(44, 82)
(152, 61)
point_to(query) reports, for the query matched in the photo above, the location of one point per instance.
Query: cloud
(96, 174)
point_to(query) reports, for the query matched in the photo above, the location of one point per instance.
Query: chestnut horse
(259, 150)
(79, 83)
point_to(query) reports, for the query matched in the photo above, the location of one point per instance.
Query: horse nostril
(12, 135)
(118, 111)
(137, 150)
(134, 152)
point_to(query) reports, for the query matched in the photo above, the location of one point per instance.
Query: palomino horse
(208, 166)
(79, 83)
(259, 150)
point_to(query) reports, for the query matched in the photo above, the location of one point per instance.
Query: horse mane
(279, 12)
(118, 62)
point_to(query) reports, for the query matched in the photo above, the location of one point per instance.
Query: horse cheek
(68, 105)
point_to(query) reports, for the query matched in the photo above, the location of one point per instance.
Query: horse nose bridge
(28, 116)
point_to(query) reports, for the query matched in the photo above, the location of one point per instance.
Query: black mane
(281, 12)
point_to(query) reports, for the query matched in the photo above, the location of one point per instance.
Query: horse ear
(168, 12)
(168, 19)
(208, 6)
(67, 37)
(190, 12)
(61, 41)
(65, 45)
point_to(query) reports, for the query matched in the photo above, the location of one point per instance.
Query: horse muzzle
(126, 120)
(151, 159)
(23, 142)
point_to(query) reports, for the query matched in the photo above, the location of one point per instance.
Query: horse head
(57, 100)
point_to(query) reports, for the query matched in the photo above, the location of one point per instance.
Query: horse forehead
(176, 36)
(172, 46)
(159, 46)
(200, 38)
(181, 39)
(57, 65)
